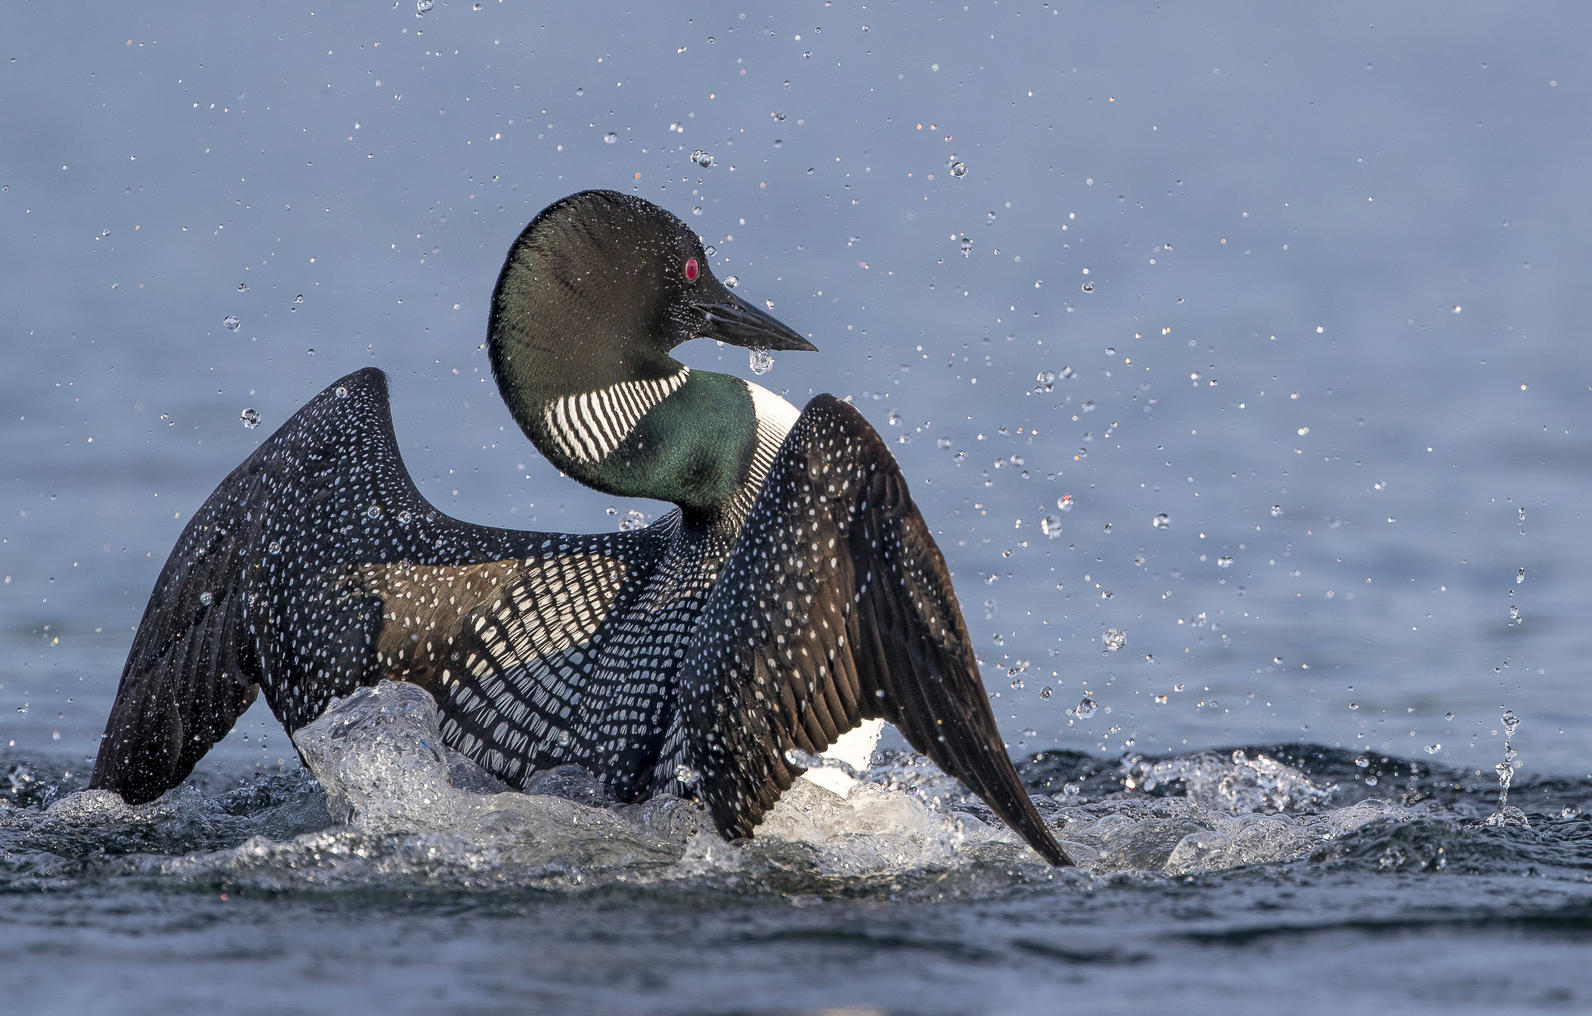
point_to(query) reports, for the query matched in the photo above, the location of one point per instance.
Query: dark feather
(834, 607)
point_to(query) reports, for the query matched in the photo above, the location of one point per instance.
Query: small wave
(385, 807)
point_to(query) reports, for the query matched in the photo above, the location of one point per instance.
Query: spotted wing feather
(191, 672)
(836, 606)
(314, 568)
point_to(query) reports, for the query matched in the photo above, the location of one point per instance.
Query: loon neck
(697, 438)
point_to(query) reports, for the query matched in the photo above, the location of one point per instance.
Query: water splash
(1507, 814)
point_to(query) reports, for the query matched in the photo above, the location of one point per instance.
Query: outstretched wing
(836, 606)
(317, 567)
(191, 671)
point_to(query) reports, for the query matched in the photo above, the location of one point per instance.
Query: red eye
(692, 270)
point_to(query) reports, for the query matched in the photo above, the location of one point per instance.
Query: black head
(600, 287)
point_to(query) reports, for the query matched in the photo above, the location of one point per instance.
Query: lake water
(1238, 363)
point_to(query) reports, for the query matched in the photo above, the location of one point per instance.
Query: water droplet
(1050, 526)
(1276, 510)
(250, 417)
(341, 392)
(702, 158)
(731, 281)
(206, 598)
(373, 512)
(1161, 521)
(1433, 749)
(1224, 561)
(1114, 639)
(1046, 381)
(610, 138)
(243, 287)
(232, 323)
(762, 361)
(1088, 287)
(967, 246)
(633, 520)
(274, 547)
(423, 7)
(1510, 722)
(405, 517)
(957, 167)
(1046, 692)
(1086, 708)
(687, 776)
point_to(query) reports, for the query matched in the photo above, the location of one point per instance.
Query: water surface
(1237, 361)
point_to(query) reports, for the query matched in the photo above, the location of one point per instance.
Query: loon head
(594, 295)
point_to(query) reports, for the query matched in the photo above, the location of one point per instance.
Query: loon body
(795, 593)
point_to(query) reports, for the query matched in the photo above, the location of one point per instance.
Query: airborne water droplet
(762, 361)
(250, 417)
(232, 322)
(1510, 722)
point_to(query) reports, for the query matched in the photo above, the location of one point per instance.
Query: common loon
(795, 593)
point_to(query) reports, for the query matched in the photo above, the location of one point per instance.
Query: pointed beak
(739, 323)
